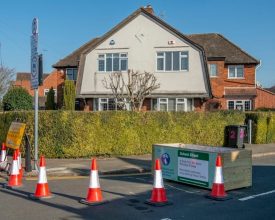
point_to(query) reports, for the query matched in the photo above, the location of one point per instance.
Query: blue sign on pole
(34, 54)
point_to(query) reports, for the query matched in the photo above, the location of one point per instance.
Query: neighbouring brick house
(155, 46)
(54, 79)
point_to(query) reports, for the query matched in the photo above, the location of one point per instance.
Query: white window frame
(242, 102)
(235, 72)
(210, 70)
(98, 101)
(164, 61)
(122, 56)
(185, 102)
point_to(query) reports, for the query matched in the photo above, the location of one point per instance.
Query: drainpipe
(260, 64)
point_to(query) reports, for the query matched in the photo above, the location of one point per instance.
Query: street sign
(34, 55)
(15, 134)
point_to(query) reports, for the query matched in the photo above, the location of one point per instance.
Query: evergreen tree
(69, 95)
(50, 103)
(17, 98)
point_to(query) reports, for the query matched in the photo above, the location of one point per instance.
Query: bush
(69, 134)
(17, 98)
(69, 95)
(50, 103)
(263, 127)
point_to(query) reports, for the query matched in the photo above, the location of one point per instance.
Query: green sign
(193, 167)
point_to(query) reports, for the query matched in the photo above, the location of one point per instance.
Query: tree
(6, 76)
(69, 95)
(50, 103)
(131, 88)
(17, 98)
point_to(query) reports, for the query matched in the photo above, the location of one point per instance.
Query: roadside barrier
(158, 196)
(15, 180)
(94, 196)
(42, 188)
(218, 192)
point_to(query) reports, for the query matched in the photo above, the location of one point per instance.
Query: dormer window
(213, 70)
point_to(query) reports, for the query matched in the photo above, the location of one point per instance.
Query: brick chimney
(149, 9)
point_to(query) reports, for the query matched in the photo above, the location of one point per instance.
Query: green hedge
(67, 134)
(263, 127)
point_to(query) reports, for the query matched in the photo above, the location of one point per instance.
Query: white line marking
(257, 195)
(181, 189)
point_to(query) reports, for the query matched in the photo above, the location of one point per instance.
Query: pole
(36, 129)
(28, 165)
(250, 131)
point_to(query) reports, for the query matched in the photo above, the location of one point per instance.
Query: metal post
(36, 129)
(250, 131)
(28, 166)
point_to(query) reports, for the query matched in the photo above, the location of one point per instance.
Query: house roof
(22, 76)
(271, 89)
(217, 46)
(93, 44)
(240, 92)
(72, 59)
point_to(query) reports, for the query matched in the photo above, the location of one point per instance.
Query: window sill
(182, 71)
(235, 78)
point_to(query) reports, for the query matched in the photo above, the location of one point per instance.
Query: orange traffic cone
(218, 192)
(158, 196)
(19, 159)
(15, 180)
(94, 196)
(42, 188)
(3, 159)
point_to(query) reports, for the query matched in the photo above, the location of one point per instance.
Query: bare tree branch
(131, 88)
(6, 76)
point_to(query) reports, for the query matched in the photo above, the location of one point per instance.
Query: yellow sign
(15, 134)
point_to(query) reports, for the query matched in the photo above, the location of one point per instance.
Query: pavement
(124, 164)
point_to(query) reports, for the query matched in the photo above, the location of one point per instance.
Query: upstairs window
(112, 62)
(172, 61)
(213, 70)
(71, 74)
(235, 72)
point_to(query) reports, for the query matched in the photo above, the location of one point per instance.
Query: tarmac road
(127, 193)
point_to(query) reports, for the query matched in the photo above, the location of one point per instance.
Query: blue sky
(64, 25)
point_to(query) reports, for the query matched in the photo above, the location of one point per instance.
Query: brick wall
(264, 99)
(221, 81)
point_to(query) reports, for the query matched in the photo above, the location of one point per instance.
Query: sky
(65, 25)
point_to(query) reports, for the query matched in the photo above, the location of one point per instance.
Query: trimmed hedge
(263, 127)
(69, 134)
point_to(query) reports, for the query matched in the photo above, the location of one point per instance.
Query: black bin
(236, 135)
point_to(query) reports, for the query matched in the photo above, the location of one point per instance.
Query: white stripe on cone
(3, 156)
(42, 175)
(158, 181)
(94, 181)
(218, 175)
(14, 169)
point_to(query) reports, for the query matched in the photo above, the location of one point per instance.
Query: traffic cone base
(94, 197)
